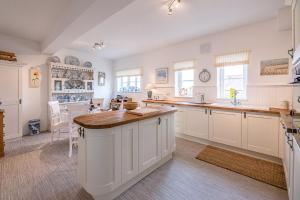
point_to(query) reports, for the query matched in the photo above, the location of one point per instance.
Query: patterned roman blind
(230, 59)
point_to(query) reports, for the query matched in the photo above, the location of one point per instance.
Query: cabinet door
(262, 133)
(296, 175)
(285, 160)
(82, 161)
(130, 167)
(103, 151)
(179, 120)
(225, 127)
(291, 170)
(197, 123)
(149, 143)
(166, 137)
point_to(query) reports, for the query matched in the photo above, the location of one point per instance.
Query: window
(184, 79)
(129, 81)
(232, 77)
(232, 73)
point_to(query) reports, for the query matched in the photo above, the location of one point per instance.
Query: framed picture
(35, 77)
(274, 67)
(101, 78)
(161, 76)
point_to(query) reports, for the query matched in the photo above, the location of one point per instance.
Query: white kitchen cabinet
(103, 146)
(130, 165)
(225, 127)
(288, 164)
(296, 174)
(149, 142)
(196, 122)
(179, 120)
(166, 135)
(81, 160)
(262, 133)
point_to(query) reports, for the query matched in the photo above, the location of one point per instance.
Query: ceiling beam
(78, 18)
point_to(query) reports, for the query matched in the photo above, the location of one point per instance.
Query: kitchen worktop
(115, 118)
(241, 108)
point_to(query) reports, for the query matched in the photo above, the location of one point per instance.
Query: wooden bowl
(130, 105)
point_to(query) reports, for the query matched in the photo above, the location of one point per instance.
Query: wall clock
(204, 76)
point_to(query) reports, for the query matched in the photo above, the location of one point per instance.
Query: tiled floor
(34, 169)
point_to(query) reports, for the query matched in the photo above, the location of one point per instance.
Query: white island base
(113, 159)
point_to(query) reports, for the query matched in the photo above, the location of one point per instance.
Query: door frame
(18, 66)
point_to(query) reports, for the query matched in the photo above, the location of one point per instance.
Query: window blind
(237, 58)
(129, 72)
(179, 66)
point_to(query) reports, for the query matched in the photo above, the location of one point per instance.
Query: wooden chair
(75, 110)
(59, 120)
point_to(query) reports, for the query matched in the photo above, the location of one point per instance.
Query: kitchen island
(117, 149)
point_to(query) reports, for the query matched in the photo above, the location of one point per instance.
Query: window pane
(129, 84)
(184, 82)
(232, 77)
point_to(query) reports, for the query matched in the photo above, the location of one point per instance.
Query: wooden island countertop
(116, 118)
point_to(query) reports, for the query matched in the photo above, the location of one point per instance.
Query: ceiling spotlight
(99, 46)
(173, 4)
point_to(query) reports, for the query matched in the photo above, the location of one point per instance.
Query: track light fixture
(173, 4)
(99, 46)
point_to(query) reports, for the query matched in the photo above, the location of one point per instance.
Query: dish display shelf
(70, 83)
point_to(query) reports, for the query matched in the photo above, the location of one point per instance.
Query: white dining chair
(75, 110)
(58, 120)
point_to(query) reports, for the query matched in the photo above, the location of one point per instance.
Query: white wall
(34, 104)
(264, 41)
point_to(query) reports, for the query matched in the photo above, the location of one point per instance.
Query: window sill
(187, 97)
(129, 92)
(224, 99)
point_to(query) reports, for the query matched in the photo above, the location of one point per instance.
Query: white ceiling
(145, 25)
(30, 19)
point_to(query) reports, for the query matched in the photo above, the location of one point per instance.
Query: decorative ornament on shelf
(54, 59)
(204, 76)
(72, 60)
(87, 64)
(149, 89)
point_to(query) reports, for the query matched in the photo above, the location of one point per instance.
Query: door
(10, 78)
(262, 133)
(197, 123)
(166, 137)
(149, 143)
(296, 185)
(225, 127)
(130, 167)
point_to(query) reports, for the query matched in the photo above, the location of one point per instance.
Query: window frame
(128, 84)
(220, 82)
(176, 93)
